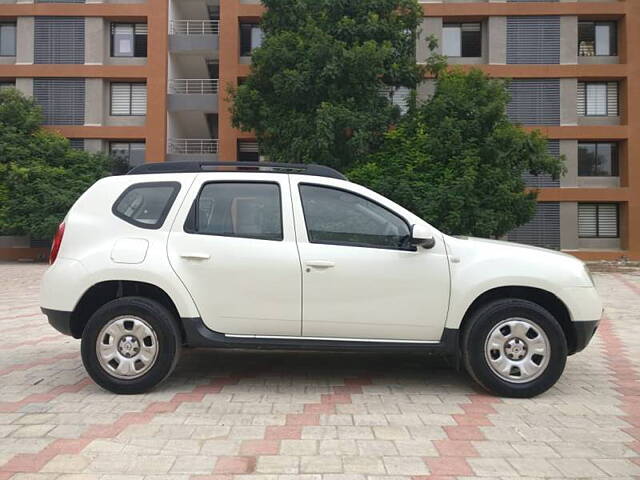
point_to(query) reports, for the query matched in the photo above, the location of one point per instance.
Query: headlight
(589, 275)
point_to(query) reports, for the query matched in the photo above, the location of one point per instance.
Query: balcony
(194, 37)
(192, 149)
(193, 95)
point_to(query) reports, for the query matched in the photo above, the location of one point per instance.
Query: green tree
(40, 174)
(457, 161)
(314, 92)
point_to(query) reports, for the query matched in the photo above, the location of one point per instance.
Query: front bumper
(59, 320)
(584, 332)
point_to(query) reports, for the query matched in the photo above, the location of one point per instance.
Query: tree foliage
(457, 161)
(313, 94)
(40, 174)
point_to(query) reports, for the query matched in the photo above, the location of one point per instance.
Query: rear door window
(146, 205)
(238, 209)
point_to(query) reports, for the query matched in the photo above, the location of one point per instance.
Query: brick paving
(312, 416)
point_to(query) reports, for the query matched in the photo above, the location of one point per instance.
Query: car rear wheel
(514, 348)
(130, 345)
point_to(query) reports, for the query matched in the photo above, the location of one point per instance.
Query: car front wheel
(514, 348)
(130, 345)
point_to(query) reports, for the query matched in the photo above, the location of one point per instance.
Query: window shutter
(62, 100)
(141, 33)
(138, 99)
(534, 101)
(247, 147)
(598, 220)
(59, 40)
(587, 225)
(612, 99)
(120, 98)
(533, 40)
(141, 29)
(581, 99)
(608, 220)
(77, 143)
(543, 230)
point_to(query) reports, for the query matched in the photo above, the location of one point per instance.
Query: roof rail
(193, 167)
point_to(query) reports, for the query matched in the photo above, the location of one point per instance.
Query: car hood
(516, 260)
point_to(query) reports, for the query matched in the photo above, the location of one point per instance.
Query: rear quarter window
(146, 205)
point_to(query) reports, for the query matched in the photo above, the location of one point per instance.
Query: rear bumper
(584, 332)
(59, 320)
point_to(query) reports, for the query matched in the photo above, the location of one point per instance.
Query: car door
(233, 246)
(361, 278)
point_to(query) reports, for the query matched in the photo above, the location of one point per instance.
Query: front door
(361, 278)
(233, 246)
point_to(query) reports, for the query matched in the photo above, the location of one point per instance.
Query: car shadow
(421, 372)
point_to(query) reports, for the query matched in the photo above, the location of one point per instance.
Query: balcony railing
(193, 146)
(193, 86)
(194, 27)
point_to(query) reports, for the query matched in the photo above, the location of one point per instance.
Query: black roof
(192, 167)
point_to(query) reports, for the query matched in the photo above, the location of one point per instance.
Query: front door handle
(320, 264)
(195, 256)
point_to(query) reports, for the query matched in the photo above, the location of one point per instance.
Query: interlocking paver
(240, 415)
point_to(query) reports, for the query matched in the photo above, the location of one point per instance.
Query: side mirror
(421, 235)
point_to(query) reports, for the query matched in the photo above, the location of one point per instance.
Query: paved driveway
(265, 415)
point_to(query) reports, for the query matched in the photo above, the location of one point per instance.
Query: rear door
(233, 246)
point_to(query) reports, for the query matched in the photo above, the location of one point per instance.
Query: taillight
(55, 245)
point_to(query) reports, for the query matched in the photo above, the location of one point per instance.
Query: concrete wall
(25, 85)
(430, 26)
(568, 40)
(94, 40)
(24, 40)
(569, 148)
(568, 101)
(569, 226)
(96, 145)
(497, 39)
(94, 101)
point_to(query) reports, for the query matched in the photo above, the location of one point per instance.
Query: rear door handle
(195, 256)
(320, 264)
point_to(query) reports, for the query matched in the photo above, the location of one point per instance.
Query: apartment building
(147, 79)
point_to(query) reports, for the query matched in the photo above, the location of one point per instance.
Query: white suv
(284, 256)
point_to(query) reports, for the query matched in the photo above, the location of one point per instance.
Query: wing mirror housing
(422, 236)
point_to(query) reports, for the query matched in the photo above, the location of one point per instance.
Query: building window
(597, 38)
(250, 38)
(128, 39)
(248, 151)
(597, 159)
(128, 99)
(598, 99)
(598, 220)
(129, 154)
(7, 85)
(462, 40)
(7, 39)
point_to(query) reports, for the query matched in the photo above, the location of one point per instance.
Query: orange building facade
(148, 80)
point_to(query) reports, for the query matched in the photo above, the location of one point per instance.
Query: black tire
(478, 329)
(165, 328)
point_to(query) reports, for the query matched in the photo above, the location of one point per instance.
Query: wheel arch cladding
(103, 292)
(545, 299)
